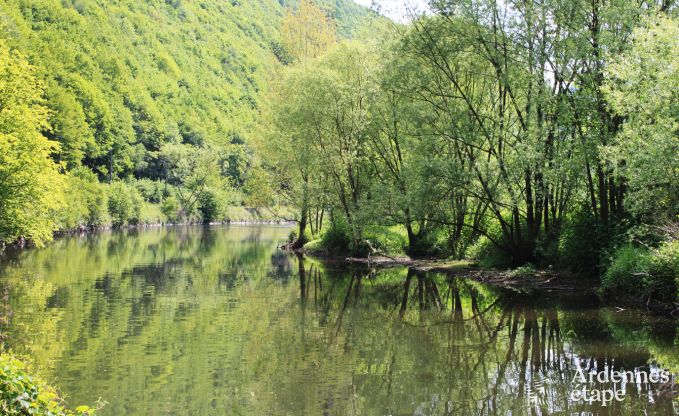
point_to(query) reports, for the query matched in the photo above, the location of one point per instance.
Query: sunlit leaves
(30, 183)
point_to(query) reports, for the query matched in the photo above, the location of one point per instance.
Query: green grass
(645, 273)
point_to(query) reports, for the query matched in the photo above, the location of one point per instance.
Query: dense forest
(517, 133)
(133, 112)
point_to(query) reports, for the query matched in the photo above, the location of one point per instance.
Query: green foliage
(643, 87)
(150, 190)
(292, 236)
(664, 271)
(151, 214)
(392, 241)
(30, 184)
(431, 242)
(582, 244)
(337, 238)
(645, 273)
(170, 208)
(111, 86)
(23, 394)
(124, 204)
(628, 270)
(523, 272)
(487, 254)
(211, 206)
(197, 175)
(86, 201)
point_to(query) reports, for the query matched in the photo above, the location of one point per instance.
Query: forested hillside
(123, 78)
(147, 90)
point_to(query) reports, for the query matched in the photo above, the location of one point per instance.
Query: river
(219, 321)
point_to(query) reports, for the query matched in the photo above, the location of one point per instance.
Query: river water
(218, 321)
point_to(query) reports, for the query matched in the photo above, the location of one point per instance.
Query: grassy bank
(624, 271)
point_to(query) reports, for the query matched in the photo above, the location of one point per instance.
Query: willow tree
(643, 87)
(30, 184)
(343, 146)
(296, 118)
(498, 76)
(294, 114)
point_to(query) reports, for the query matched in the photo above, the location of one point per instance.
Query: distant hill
(123, 77)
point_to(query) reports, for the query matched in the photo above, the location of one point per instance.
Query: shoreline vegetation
(22, 393)
(247, 216)
(525, 278)
(529, 136)
(536, 137)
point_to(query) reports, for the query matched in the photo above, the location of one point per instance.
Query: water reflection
(213, 321)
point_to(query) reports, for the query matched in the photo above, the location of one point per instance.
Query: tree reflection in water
(213, 321)
(498, 351)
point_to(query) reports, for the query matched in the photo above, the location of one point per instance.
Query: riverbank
(521, 279)
(237, 216)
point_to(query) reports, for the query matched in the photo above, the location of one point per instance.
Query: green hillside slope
(124, 77)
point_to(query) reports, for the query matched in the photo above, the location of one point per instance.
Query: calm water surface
(217, 321)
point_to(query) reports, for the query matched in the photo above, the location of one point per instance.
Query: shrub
(151, 191)
(292, 236)
(314, 246)
(432, 243)
(664, 271)
(151, 214)
(628, 266)
(645, 273)
(524, 271)
(337, 238)
(211, 206)
(86, 201)
(487, 254)
(170, 208)
(585, 244)
(22, 394)
(387, 240)
(124, 204)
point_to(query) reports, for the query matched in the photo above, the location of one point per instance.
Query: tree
(30, 183)
(643, 88)
(307, 31)
(488, 84)
(296, 117)
(197, 175)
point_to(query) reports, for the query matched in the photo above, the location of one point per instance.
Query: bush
(170, 208)
(124, 204)
(388, 240)
(292, 236)
(523, 272)
(337, 238)
(151, 191)
(644, 273)
(626, 272)
(664, 271)
(22, 394)
(432, 243)
(151, 214)
(86, 201)
(584, 243)
(211, 206)
(487, 254)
